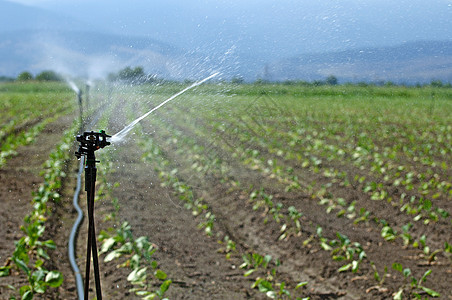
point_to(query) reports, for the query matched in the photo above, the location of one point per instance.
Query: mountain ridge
(411, 62)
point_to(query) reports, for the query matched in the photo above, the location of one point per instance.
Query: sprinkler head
(91, 141)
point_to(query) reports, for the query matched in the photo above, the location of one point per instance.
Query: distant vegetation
(137, 75)
(131, 75)
(47, 75)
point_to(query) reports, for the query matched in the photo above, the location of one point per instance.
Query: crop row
(13, 141)
(267, 168)
(119, 244)
(240, 133)
(30, 252)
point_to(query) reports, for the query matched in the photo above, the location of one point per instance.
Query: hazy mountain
(93, 55)
(252, 39)
(267, 29)
(407, 63)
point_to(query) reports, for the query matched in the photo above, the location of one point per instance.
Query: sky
(255, 31)
(279, 28)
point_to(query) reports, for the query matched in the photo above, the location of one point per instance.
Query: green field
(309, 189)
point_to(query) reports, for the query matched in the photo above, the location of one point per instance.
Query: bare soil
(19, 179)
(192, 259)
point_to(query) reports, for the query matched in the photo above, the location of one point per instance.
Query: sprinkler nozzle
(91, 141)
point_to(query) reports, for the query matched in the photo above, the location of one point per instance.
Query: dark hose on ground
(74, 231)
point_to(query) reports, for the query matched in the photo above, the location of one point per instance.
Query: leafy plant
(138, 257)
(412, 285)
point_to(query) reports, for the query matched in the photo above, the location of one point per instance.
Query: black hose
(74, 231)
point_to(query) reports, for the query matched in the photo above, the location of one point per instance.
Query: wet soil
(19, 179)
(193, 260)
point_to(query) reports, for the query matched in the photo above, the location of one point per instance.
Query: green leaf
(301, 284)
(54, 279)
(325, 246)
(430, 292)
(112, 255)
(5, 271)
(271, 294)
(165, 286)
(143, 293)
(137, 275)
(399, 295)
(397, 267)
(249, 272)
(40, 287)
(28, 295)
(151, 296)
(39, 263)
(50, 244)
(42, 253)
(424, 277)
(406, 272)
(345, 267)
(154, 264)
(355, 266)
(38, 275)
(265, 286)
(267, 259)
(160, 274)
(21, 264)
(107, 245)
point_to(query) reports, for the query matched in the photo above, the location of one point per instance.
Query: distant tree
(189, 81)
(48, 76)
(318, 82)
(237, 80)
(261, 81)
(112, 77)
(6, 79)
(436, 83)
(25, 76)
(135, 75)
(331, 80)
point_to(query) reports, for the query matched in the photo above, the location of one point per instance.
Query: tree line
(137, 75)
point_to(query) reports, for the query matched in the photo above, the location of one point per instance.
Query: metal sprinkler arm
(91, 141)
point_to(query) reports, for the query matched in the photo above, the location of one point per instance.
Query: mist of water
(118, 137)
(73, 86)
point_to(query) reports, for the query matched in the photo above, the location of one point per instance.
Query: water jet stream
(73, 86)
(118, 137)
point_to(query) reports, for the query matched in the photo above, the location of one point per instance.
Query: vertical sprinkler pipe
(89, 143)
(80, 105)
(78, 221)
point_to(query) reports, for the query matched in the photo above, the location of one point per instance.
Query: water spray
(118, 137)
(90, 142)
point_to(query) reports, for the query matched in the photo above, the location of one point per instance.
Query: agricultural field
(242, 192)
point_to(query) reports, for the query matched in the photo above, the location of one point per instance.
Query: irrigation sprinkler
(80, 105)
(91, 141)
(87, 96)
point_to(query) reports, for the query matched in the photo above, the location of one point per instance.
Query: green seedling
(412, 286)
(344, 249)
(138, 257)
(229, 248)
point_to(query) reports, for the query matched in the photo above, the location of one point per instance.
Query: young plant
(411, 285)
